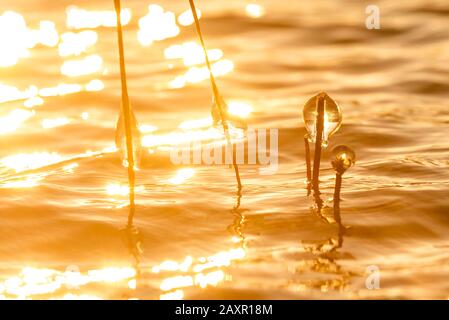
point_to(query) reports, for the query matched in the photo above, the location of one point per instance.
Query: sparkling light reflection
(94, 85)
(157, 25)
(195, 124)
(60, 90)
(76, 43)
(30, 181)
(82, 67)
(182, 176)
(33, 102)
(173, 285)
(191, 53)
(36, 281)
(176, 138)
(13, 120)
(17, 38)
(254, 10)
(84, 19)
(53, 123)
(186, 18)
(198, 74)
(11, 93)
(239, 108)
(147, 128)
(27, 161)
(121, 189)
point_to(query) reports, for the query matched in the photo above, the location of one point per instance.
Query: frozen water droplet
(343, 158)
(332, 118)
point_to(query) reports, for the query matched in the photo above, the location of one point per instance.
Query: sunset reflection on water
(65, 194)
(39, 283)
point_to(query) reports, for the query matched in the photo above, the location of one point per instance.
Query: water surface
(63, 196)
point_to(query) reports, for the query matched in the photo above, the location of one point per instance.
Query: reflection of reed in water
(133, 242)
(326, 254)
(207, 271)
(236, 227)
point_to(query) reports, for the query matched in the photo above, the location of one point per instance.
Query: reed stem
(308, 165)
(318, 140)
(216, 94)
(337, 190)
(126, 109)
(337, 215)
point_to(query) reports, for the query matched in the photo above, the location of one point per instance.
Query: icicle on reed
(322, 118)
(220, 114)
(318, 140)
(127, 135)
(343, 159)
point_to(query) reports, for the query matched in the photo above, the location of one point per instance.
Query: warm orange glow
(290, 218)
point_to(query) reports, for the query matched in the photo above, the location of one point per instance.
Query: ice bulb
(343, 158)
(332, 117)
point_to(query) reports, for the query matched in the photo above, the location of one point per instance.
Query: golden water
(63, 189)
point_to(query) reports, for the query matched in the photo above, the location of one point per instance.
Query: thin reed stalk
(217, 96)
(126, 110)
(337, 215)
(318, 140)
(337, 191)
(308, 163)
